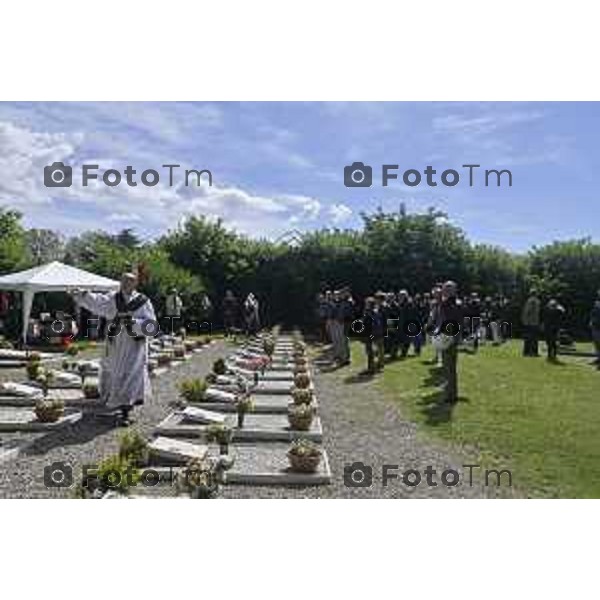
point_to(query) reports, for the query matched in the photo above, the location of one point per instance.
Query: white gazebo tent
(52, 277)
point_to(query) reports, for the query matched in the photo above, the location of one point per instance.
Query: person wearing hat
(124, 382)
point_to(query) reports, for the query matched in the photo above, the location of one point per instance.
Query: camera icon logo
(58, 475)
(358, 175)
(358, 475)
(58, 175)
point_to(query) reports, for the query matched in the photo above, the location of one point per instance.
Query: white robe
(124, 379)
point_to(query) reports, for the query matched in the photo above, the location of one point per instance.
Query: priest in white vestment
(124, 380)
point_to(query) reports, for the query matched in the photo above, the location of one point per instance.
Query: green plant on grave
(72, 350)
(269, 346)
(91, 391)
(66, 364)
(34, 366)
(304, 456)
(198, 479)
(221, 434)
(211, 378)
(44, 378)
(193, 390)
(301, 396)
(219, 367)
(243, 404)
(133, 447)
(116, 473)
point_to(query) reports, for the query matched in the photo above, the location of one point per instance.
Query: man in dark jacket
(375, 322)
(451, 317)
(553, 316)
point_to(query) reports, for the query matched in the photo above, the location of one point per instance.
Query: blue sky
(279, 166)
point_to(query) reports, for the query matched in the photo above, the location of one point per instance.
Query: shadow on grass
(362, 377)
(436, 409)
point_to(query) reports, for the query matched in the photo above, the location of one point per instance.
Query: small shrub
(219, 367)
(72, 350)
(133, 447)
(116, 473)
(193, 390)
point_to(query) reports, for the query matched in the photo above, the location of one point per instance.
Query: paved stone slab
(267, 464)
(273, 387)
(177, 450)
(70, 397)
(24, 419)
(257, 427)
(263, 403)
(276, 376)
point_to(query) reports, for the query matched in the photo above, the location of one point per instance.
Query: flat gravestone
(71, 397)
(273, 387)
(177, 450)
(24, 419)
(277, 376)
(257, 428)
(200, 415)
(263, 403)
(267, 464)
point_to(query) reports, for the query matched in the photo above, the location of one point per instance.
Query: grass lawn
(540, 420)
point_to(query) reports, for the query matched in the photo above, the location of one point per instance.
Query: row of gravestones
(259, 449)
(18, 399)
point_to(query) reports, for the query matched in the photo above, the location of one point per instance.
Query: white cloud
(24, 153)
(339, 213)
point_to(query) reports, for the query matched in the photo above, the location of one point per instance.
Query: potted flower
(301, 416)
(91, 391)
(222, 434)
(163, 359)
(199, 479)
(269, 346)
(44, 378)
(304, 456)
(34, 366)
(49, 411)
(302, 381)
(302, 395)
(72, 350)
(219, 367)
(193, 390)
(243, 404)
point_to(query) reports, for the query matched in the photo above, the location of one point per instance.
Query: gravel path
(92, 439)
(361, 424)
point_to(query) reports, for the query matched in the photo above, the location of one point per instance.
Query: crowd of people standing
(390, 323)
